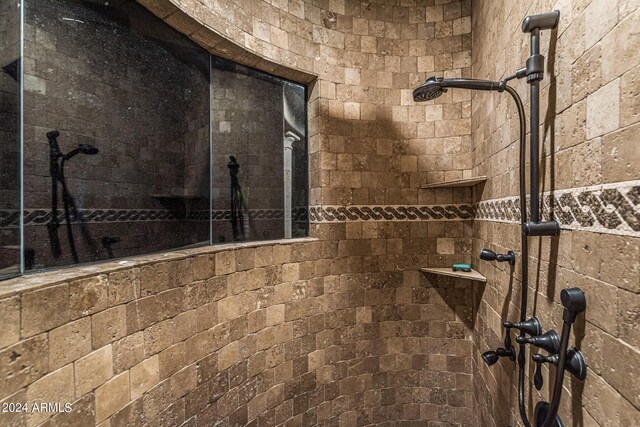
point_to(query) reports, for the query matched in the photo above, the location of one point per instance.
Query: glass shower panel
(259, 166)
(116, 133)
(10, 138)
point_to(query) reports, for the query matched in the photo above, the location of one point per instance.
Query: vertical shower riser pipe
(534, 136)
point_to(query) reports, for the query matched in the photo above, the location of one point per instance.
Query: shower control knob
(549, 341)
(537, 377)
(574, 364)
(531, 326)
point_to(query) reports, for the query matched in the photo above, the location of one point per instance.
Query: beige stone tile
(619, 53)
(621, 155)
(112, 396)
(225, 262)
(144, 376)
(600, 18)
(228, 355)
(183, 381)
(128, 351)
(622, 368)
(54, 387)
(628, 312)
(629, 93)
(37, 315)
(69, 342)
(603, 110)
(10, 315)
(172, 360)
(123, 286)
(87, 296)
(23, 363)
(93, 370)
(108, 326)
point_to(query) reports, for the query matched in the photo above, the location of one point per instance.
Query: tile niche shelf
(447, 271)
(466, 182)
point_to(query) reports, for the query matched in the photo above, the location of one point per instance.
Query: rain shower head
(433, 87)
(82, 149)
(430, 89)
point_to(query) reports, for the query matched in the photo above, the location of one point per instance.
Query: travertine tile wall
(340, 331)
(589, 116)
(325, 332)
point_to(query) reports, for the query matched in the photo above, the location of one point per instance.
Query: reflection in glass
(115, 139)
(259, 159)
(9, 138)
(116, 127)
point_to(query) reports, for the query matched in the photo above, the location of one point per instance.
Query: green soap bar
(461, 267)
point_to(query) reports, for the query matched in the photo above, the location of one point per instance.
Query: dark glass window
(136, 140)
(259, 156)
(9, 138)
(116, 109)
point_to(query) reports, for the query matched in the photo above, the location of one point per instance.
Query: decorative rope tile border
(609, 208)
(329, 214)
(35, 217)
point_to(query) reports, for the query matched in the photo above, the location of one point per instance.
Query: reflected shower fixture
(87, 149)
(57, 162)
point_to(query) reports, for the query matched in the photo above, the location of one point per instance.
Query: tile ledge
(447, 271)
(43, 279)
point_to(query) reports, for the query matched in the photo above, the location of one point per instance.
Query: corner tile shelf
(447, 271)
(467, 182)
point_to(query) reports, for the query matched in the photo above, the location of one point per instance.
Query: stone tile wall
(340, 331)
(345, 330)
(337, 331)
(589, 129)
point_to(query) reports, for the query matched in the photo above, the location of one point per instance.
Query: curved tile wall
(339, 331)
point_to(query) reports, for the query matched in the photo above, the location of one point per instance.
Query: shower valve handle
(531, 326)
(537, 377)
(575, 364)
(549, 341)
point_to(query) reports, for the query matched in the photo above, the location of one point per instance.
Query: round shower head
(430, 89)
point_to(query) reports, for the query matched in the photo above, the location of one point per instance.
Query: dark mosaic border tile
(611, 208)
(35, 217)
(328, 214)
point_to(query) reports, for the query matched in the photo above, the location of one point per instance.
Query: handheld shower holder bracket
(544, 228)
